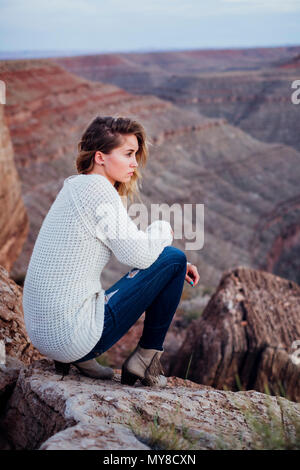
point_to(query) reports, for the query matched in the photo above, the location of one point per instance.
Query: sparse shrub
(161, 435)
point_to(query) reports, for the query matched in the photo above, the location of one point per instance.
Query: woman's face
(122, 160)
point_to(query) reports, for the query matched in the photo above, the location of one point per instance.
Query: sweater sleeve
(104, 213)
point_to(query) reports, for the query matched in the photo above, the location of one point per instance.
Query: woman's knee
(175, 255)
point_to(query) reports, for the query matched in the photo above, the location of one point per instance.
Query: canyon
(249, 188)
(250, 88)
(222, 132)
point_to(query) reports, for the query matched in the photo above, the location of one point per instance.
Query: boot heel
(62, 368)
(127, 378)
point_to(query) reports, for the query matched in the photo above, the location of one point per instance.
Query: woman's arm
(130, 245)
(108, 220)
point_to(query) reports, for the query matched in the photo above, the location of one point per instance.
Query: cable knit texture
(63, 299)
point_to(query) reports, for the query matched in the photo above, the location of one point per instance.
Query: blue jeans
(155, 290)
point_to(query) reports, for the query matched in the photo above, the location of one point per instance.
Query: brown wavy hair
(104, 133)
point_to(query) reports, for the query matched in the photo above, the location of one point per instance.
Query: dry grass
(266, 435)
(161, 435)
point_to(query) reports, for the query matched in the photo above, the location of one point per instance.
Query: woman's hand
(192, 274)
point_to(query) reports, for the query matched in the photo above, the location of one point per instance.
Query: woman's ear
(99, 158)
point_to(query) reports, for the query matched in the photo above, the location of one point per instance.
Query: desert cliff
(249, 188)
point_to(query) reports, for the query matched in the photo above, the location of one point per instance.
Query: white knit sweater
(63, 299)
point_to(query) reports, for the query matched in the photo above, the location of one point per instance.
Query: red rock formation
(293, 63)
(12, 327)
(193, 159)
(251, 88)
(80, 413)
(245, 334)
(39, 410)
(14, 224)
(184, 63)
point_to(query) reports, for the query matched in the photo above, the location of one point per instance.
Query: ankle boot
(62, 368)
(93, 369)
(144, 364)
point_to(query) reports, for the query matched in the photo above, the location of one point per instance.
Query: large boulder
(246, 337)
(40, 410)
(48, 413)
(16, 350)
(12, 326)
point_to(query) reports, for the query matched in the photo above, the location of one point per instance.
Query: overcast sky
(128, 25)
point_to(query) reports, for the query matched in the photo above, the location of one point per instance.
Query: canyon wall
(251, 88)
(249, 188)
(14, 224)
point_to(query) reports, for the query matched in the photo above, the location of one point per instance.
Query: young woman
(68, 315)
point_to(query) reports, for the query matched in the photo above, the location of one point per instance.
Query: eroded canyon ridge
(215, 119)
(224, 133)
